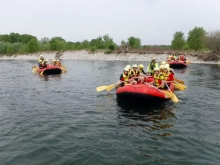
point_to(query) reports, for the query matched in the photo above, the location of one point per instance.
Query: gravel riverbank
(85, 55)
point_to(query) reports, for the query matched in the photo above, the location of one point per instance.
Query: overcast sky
(153, 21)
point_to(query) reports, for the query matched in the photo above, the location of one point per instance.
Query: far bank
(123, 56)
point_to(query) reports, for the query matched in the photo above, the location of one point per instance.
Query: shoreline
(86, 55)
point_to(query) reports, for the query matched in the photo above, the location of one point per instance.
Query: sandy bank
(85, 55)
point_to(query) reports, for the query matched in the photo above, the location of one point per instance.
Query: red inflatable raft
(177, 64)
(142, 92)
(50, 69)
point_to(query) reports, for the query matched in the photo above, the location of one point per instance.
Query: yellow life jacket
(166, 75)
(141, 70)
(126, 78)
(135, 73)
(158, 79)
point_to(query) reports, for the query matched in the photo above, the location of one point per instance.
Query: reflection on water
(149, 116)
(47, 77)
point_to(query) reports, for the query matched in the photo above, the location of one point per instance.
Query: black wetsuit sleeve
(121, 77)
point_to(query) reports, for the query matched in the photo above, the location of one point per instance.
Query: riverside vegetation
(205, 45)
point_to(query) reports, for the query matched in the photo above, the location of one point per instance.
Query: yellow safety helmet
(141, 66)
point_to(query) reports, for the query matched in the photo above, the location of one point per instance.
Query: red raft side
(177, 64)
(142, 92)
(50, 69)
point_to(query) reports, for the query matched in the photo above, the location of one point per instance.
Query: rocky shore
(86, 55)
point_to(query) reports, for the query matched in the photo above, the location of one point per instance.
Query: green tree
(178, 41)
(134, 42)
(10, 49)
(32, 46)
(3, 47)
(57, 43)
(196, 38)
(111, 46)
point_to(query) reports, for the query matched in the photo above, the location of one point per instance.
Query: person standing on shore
(153, 64)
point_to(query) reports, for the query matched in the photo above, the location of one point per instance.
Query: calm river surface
(62, 120)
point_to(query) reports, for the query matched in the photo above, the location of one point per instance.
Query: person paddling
(125, 78)
(40, 61)
(158, 81)
(168, 76)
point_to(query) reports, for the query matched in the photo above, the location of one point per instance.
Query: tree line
(15, 43)
(197, 39)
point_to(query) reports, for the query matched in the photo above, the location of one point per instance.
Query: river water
(62, 120)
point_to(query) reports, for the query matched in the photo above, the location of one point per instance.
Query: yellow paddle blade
(180, 86)
(63, 70)
(188, 62)
(34, 70)
(34, 67)
(63, 66)
(172, 96)
(101, 88)
(110, 87)
(179, 81)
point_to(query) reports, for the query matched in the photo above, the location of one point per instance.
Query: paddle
(101, 88)
(173, 96)
(179, 81)
(34, 70)
(63, 70)
(180, 86)
(42, 72)
(188, 62)
(108, 88)
(169, 94)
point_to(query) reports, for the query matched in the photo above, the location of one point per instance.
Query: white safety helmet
(126, 69)
(163, 63)
(128, 66)
(166, 66)
(156, 68)
(161, 66)
(134, 66)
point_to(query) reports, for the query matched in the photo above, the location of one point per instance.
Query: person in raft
(125, 78)
(136, 75)
(182, 58)
(40, 61)
(158, 81)
(173, 57)
(161, 68)
(129, 68)
(168, 76)
(153, 64)
(56, 62)
(141, 69)
(44, 63)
